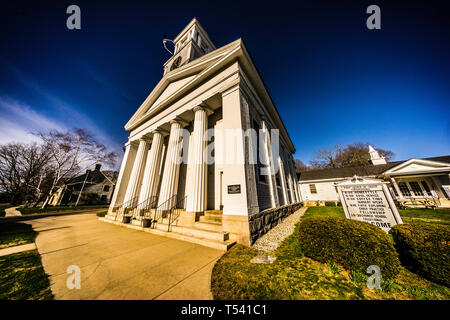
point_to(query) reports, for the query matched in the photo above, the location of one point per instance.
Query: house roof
(94, 177)
(369, 170)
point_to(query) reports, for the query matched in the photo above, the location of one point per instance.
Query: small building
(93, 187)
(413, 182)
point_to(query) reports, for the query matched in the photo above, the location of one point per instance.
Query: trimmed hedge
(355, 245)
(330, 204)
(424, 249)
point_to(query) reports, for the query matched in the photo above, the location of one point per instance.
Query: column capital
(133, 143)
(143, 139)
(180, 121)
(204, 108)
(160, 131)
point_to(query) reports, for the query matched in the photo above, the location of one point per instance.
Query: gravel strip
(272, 239)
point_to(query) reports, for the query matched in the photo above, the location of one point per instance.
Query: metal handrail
(146, 206)
(163, 208)
(175, 212)
(130, 204)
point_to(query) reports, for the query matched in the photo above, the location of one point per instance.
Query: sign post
(369, 200)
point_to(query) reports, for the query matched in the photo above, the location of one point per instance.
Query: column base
(238, 227)
(188, 219)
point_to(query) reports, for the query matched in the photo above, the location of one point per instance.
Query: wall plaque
(234, 188)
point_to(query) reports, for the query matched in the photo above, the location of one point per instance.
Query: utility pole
(82, 187)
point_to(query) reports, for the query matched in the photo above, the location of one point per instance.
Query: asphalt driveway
(121, 263)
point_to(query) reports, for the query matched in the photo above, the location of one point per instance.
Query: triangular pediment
(414, 166)
(179, 80)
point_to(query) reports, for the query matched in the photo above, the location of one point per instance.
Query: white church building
(189, 168)
(412, 183)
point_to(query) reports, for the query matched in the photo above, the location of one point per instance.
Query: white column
(196, 201)
(169, 183)
(396, 187)
(152, 166)
(294, 182)
(270, 165)
(291, 187)
(136, 174)
(124, 173)
(283, 181)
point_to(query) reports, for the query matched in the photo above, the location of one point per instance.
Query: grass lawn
(59, 208)
(15, 234)
(293, 276)
(410, 216)
(22, 277)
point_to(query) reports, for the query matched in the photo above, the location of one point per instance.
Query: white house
(170, 175)
(414, 182)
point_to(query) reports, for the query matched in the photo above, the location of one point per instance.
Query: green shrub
(102, 213)
(355, 245)
(330, 204)
(339, 204)
(424, 249)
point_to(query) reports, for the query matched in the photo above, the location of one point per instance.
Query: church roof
(369, 170)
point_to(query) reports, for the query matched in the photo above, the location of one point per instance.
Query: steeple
(375, 158)
(190, 44)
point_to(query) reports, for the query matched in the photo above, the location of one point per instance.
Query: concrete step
(213, 226)
(214, 213)
(224, 244)
(220, 245)
(195, 232)
(217, 219)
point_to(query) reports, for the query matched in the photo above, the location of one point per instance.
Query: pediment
(174, 82)
(413, 166)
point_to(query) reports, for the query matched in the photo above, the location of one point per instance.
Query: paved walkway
(17, 249)
(121, 263)
(12, 212)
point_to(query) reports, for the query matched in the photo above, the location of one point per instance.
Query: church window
(416, 188)
(426, 188)
(404, 189)
(312, 188)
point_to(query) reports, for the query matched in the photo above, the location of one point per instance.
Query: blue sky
(333, 80)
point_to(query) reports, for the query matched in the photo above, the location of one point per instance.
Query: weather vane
(165, 40)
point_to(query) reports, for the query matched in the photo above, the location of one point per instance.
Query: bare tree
(301, 166)
(71, 152)
(21, 169)
(326, 158)
(354, 155)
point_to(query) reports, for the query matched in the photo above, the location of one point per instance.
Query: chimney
(97, 167)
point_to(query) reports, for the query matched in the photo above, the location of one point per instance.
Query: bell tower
(375, 157)
(190, 44)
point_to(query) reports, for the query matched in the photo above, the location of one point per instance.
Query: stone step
(220, 245)
(213, 226)
(213, 213)
(217, 219)
(195, 232)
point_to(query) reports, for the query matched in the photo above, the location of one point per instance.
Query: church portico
(189, 166)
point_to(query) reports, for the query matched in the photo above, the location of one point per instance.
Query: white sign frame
(358, 181)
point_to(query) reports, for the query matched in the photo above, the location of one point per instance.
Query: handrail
(163, 208)
(130, 204)
(146, 206)
(175, 212)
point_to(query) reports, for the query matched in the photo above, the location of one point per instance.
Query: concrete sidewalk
(121, 263)
(48, 214)
(17, 249)
(12, 212)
